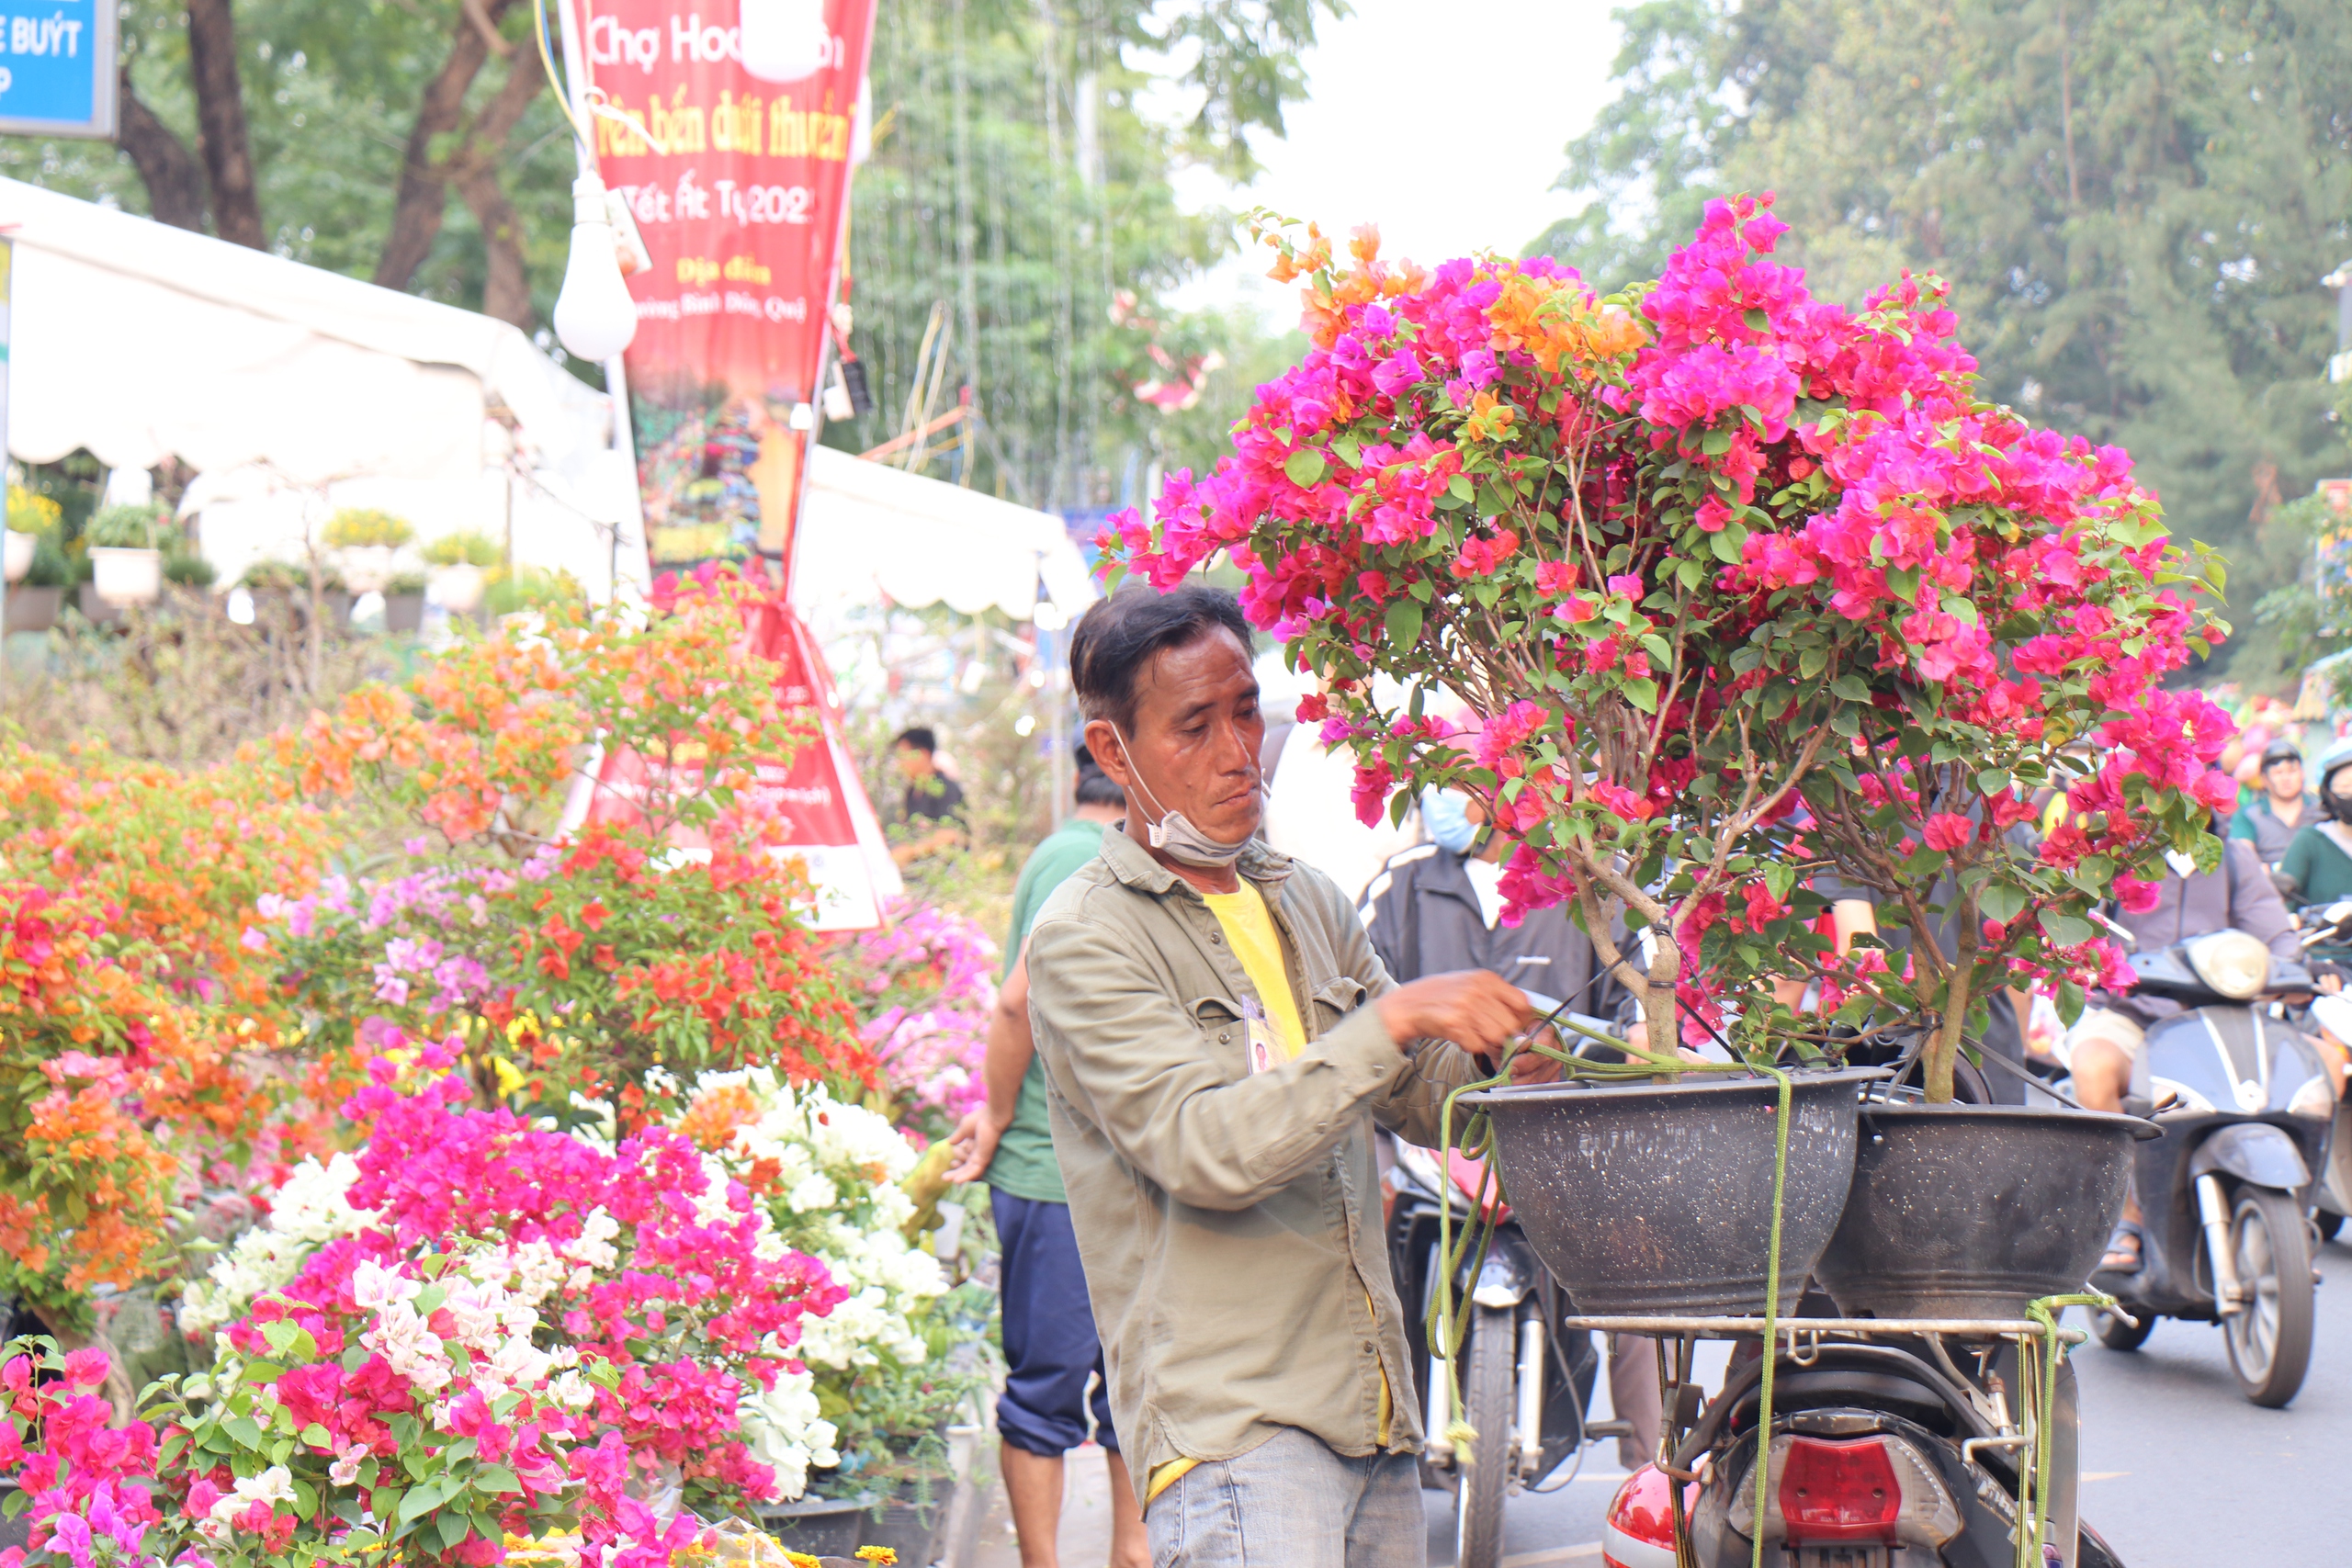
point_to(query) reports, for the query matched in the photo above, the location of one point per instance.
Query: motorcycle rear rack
(1816, 1327)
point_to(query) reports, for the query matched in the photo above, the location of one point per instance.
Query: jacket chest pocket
(1225, 1038)
(1334, 1000)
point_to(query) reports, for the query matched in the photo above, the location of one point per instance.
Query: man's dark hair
(921, 737)
(1120, 635)
(1095, 785)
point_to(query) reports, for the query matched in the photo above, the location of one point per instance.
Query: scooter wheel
(2269, 1336)
(2118, 1335)
(1487, 1387)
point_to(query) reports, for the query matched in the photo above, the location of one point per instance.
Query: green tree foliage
(2133, 199)
(1019, 191)
(333, 94)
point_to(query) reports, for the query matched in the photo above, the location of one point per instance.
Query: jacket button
(1223, 1035)
(1215, 937)
(1370, 1348)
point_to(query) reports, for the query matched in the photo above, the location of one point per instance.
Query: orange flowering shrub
(574, 968)
(136, 1031)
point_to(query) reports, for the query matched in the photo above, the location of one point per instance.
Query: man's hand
(1533, 1066)
(1474, 1009)
(973, 1145)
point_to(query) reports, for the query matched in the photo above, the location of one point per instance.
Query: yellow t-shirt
(1250, 930)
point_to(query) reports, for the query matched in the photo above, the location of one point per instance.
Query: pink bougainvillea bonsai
(1753, 600)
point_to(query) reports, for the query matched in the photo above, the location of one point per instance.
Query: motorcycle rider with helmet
(2317, 867)
(2272, 819)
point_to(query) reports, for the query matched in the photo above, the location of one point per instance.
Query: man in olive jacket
(1219, 1040)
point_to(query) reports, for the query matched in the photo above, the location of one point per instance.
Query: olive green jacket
(1230, 1226)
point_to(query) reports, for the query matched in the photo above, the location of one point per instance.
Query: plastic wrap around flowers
(495, 1330)
(1750, 594)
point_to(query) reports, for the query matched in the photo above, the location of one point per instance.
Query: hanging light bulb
(594, 316)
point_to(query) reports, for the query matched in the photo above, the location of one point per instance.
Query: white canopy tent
(870, 531)
(293, 391)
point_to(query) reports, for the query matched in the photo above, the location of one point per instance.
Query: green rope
(1772, 1314)
(2042, 1386)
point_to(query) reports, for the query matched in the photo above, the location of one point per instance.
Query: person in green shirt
(1051, 1348)
(2318, 862)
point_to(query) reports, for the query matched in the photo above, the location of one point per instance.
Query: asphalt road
(2179, 1471)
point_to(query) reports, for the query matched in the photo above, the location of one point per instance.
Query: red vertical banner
(735, 156)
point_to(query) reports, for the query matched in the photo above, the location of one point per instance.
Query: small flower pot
(96, 610)
(818, 1527)
(20, 555)
(403, 612)
(1975, 1211)
(33, 609)
(1657, 1198)
(458, 588)
(127, 577)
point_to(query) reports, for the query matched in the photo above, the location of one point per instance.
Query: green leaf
(1306, 469)
(1812, 661)
(1405, 624)
(452, 1527)
(1992, 779)
(419, 1499)
(1724, 543)
(318, 1437)
(1459, 487)
(1756, 318)
(2065, 931)
(1642, 694)
(2001, 902)
(244, 1429)
(1348, 451)
(495, 1479)
(1851, 687)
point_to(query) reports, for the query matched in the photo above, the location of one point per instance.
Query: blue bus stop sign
(57, 67)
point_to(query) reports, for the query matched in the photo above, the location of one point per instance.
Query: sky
(1443, 122)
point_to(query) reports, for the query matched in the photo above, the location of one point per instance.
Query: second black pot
(1657, 1198)
(1975, 1211)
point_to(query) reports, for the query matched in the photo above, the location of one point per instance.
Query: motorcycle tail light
(1638, 1530)
(1839, 1492)
(1859, 1491)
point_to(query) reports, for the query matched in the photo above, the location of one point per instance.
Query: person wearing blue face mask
(1437, 907)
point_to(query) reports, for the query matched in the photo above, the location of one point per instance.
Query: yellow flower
(882, 1554)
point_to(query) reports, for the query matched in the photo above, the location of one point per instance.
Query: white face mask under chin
(1174, 832)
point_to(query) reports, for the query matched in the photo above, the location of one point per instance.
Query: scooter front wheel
(2269, 1336)
(1489, 1385)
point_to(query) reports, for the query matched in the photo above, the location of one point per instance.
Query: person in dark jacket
(2270, 822)
(1436, 909)
(2235, 894)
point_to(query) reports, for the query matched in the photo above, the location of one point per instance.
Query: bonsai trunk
(1944, 1049)
(1659, 1009)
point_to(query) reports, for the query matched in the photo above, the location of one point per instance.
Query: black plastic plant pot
(1975, 1211)
(1657, 1198)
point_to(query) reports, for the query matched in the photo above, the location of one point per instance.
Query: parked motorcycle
(1525, 1383)
(2246, 1104)
(1903, 1450)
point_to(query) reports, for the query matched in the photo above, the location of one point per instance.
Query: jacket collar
(1133, 866)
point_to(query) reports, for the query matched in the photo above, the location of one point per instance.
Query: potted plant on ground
(458, 562)
(126, 565)
(405, 602)
(1720, 569)
(365, 539)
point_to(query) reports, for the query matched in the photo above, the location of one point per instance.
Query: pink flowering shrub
(519, 1332)
(1750, 595)
(924, 985)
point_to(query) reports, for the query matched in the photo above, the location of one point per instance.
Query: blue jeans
(1051, 1350)
(1292, 1503)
